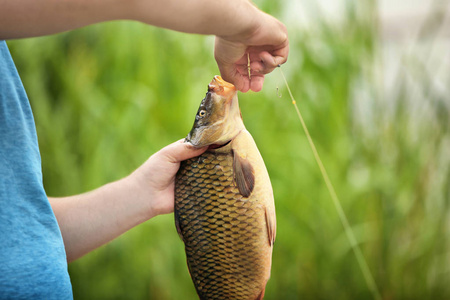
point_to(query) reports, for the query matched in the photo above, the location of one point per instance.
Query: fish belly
(225, 234)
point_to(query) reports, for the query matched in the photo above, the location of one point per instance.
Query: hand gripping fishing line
(348, 230)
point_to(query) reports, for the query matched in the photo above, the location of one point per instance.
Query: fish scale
(221, 229)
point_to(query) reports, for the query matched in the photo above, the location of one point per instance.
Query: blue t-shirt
(32, 257)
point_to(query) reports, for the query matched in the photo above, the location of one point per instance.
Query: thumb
(179, 151)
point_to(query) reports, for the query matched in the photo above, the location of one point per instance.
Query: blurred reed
(108, 96)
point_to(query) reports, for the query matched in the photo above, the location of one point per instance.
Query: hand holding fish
(156, 176)
(92, 219)
(244, 60)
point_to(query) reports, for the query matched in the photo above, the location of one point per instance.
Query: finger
(244, 86)
(240, 80)
(256, 83)
(270, 62)
(271, 57)
(256, 68)
(232, 74)
(179, 151)
(281, 54)
(264, 63)
(256, 80)
(267, 59)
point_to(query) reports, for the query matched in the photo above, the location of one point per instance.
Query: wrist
(261, 29)
(144, 195)
(137, 198)
(248, 23)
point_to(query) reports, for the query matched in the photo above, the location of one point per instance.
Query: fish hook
(279, 93)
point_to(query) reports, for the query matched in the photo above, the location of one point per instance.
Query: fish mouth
(221, 87)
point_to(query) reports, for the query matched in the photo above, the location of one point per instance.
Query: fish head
(218, 118)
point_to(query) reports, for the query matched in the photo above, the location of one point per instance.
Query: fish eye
(202, 113)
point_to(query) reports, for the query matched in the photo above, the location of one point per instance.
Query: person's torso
(32, 257)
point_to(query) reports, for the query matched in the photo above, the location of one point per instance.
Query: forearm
(222, 18)
(27, 18)
(90, 220)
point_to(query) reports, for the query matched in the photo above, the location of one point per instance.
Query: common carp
(224, 206)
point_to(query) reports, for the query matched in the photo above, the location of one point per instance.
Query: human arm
(27, 18)
(90, 220)
(239, 26)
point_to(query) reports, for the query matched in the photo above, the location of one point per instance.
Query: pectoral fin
(271, 226)
(243, 175)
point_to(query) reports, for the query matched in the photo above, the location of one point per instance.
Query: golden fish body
(225, 214)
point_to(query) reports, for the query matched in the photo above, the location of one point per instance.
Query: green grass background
(107, 96)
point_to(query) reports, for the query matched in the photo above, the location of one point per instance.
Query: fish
(224, 204)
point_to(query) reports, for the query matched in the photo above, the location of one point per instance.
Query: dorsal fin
(243, 175)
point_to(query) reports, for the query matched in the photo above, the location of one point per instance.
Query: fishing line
(348, 230)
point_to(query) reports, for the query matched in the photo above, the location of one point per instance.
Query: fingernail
(189, 145)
